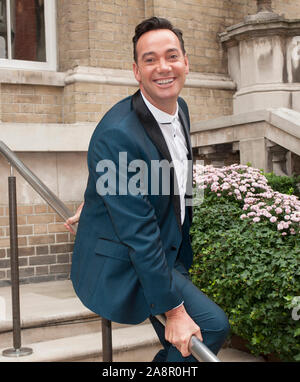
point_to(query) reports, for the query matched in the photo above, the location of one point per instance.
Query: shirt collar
(159, 115)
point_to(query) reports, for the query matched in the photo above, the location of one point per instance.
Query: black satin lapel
(153, 130)
(189, 185)
(184, 122)
(151, 126)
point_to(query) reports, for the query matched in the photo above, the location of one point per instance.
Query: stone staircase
(58, 328)
(268, 139)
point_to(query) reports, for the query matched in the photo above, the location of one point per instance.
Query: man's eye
(173, 57)
(149, 60)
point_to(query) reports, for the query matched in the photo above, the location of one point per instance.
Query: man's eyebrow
(147, 54)
(153, 53)
(172, 50)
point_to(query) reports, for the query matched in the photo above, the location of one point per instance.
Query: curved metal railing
(198, 349)
(35, 182)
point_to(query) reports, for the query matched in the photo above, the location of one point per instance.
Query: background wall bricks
(31, 103)
(42, 257)
(100, 31)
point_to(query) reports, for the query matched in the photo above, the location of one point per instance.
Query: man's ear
(136, 72)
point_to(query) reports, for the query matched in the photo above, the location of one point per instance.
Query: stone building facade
(48, 109)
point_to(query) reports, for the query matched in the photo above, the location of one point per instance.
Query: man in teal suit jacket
(132, 250)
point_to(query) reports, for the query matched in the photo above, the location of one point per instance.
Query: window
(28, 34)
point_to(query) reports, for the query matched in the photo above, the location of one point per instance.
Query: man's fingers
(183, 348)
(69, 228)
(199, 335)
(72, 220)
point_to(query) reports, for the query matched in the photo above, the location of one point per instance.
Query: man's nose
(163, 66)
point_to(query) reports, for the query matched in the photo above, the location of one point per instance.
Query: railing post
(106, 340)
(17, 350)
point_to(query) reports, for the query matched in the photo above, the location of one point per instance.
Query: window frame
(50, 40)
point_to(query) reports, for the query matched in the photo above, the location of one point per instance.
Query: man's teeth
(163, 82)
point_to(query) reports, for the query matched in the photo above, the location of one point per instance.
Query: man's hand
(74, 219)
(180, 328)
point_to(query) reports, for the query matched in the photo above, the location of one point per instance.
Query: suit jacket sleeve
(135, 223)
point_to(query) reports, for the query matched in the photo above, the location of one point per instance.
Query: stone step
(49, 311)
(131, 343)
(46, 331)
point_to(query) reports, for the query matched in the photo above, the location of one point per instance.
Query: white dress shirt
(172, 131)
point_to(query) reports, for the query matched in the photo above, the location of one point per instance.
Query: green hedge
(284, 184)
(251, 270)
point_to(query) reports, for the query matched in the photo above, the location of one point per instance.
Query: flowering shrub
(250, 186)
(246, 243)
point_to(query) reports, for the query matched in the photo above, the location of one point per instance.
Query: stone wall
(81, 102)
(99, 32)
(31, 103)
(88, 102)
(45, 248)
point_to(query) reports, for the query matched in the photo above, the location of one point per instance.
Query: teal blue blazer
(126, 244)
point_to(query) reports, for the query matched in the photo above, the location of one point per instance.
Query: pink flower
(295, 219)
(266, 214)
(249, 185)
(225, 186)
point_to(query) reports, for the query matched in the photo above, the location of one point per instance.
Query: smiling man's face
(161, 68)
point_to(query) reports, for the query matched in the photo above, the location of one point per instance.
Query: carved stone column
(264, 5)
(264, 12)
(264, 60)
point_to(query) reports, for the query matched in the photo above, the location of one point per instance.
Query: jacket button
(152, 306)
(173, 248)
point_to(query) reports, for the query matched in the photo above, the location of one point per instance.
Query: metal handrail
(56, 204)
(197, 348)
(36, 183)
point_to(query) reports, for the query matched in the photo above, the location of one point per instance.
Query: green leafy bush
(251, 268)
(284, 184)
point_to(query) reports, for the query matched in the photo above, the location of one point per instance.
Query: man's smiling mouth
(164, 81)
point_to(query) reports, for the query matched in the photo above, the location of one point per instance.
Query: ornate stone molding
(72, 137)
(126, 78)
(271, 27)
(31, 77)
(271, 87)
(104, 76)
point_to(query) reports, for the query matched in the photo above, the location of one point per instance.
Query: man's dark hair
(152, 24)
